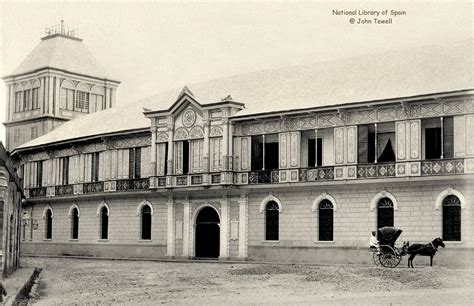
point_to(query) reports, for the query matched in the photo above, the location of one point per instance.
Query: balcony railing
(316, 174)
(376, 170)
(264, 177)
(133, 184)
(37, 192)
(93, 187)
(64, 190)
(442, 166)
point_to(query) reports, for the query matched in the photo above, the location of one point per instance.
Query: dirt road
(87, 281)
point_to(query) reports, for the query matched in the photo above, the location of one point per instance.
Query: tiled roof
(397, 74)
(63, 53)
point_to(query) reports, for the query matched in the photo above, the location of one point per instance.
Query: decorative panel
(234, 230)
(415, 139)
(469, 135)
(215, 131)
(453, 107)
(351, 144)
(294, 149)
(245, 153)
(361, 116)
(339, 145)
(401, 140)
(162, 137)
(339, 173)
(329, 120)
(283, 151)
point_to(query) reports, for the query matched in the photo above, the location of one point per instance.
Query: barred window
(39, 173)
(326, 220)
(75, 223)
(64, 163)
(272, 212)
(451, 218)
(146, 222)
(49, 224)
(82, 101)
(95, 167)
(384, 213)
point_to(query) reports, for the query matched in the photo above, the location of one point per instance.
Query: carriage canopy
(388, 235)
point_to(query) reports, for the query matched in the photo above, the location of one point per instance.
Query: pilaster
(224, 227)
(170, 241)
(243, 230)
(186, 228)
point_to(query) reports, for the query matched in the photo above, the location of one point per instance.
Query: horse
(429, 249)
(404, 249)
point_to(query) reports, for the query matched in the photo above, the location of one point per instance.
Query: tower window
(82, 101)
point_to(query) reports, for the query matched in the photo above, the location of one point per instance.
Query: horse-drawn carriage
(388, 255)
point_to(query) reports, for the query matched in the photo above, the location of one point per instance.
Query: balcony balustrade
(93, 187)
(37, 192)
(442, 166)
(64, 190)
(133, 184)
(376, 170)
(316, 174)
(264, 177)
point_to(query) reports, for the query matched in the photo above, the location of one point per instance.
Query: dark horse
(429, 249)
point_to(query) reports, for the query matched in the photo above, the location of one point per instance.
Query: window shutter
(179, 157)
(161, 147)
(363, 142)
(448, 137)
(145, 162)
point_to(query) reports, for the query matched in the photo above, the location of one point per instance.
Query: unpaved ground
(84, 281)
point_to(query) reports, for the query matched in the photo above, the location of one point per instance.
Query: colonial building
(293, 164)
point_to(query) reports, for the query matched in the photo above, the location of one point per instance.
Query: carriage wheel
(390, 258)
(376, 258)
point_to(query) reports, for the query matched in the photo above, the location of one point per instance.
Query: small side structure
(11, 195)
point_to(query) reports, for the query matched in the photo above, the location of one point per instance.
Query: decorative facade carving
(283, 150)
(401, 149)
(181, 134)
(215, 131)
(339, 145)
(294, 146)
(189, 117)
(415, 139)
(130, 142)
(352, 144)
(196, 132)
(162, 137)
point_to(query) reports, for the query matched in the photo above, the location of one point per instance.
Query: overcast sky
(151, 47)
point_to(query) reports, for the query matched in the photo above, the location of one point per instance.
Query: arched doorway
(207, 233)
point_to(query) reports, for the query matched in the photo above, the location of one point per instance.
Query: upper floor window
(34, 98)
(97, 102)
(39, 173)
(162, 158)
(34, 132)
(197, 147)
(134, 163)
(376, 143)
(451, 218)
(182, 157)
(18, 102)
(438, 137)
(315, 152)
(16, 135)
(82, 101)
(95, 167)
(27, 99)
(67, 98)
(215, 153)
(265, 152)
(64, 166)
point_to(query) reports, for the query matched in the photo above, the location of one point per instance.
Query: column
(243, 216)
(186, 221)
(316, 148)
(170, 241)
(442, 136)
(224, 228)
(263, 152)
(153, 151)
(10, 102)
(376, 145)
(170, 149)
(231, 147)
(50, 96)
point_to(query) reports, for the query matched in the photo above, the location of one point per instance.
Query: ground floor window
(75, 223)
(326, 220)
(384, 213)
(451, 218)
(104, 223)
(146, 223)
(49, 224)
(272, 212)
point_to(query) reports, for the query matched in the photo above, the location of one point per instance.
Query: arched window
(104, 223)
(49, 224)
(326, 218)
(271, 221)
(384, 212)
(75, 223)
(451, 218)
(146, 222)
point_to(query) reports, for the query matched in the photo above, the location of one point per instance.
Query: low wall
(95, 250)
(362, 256)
